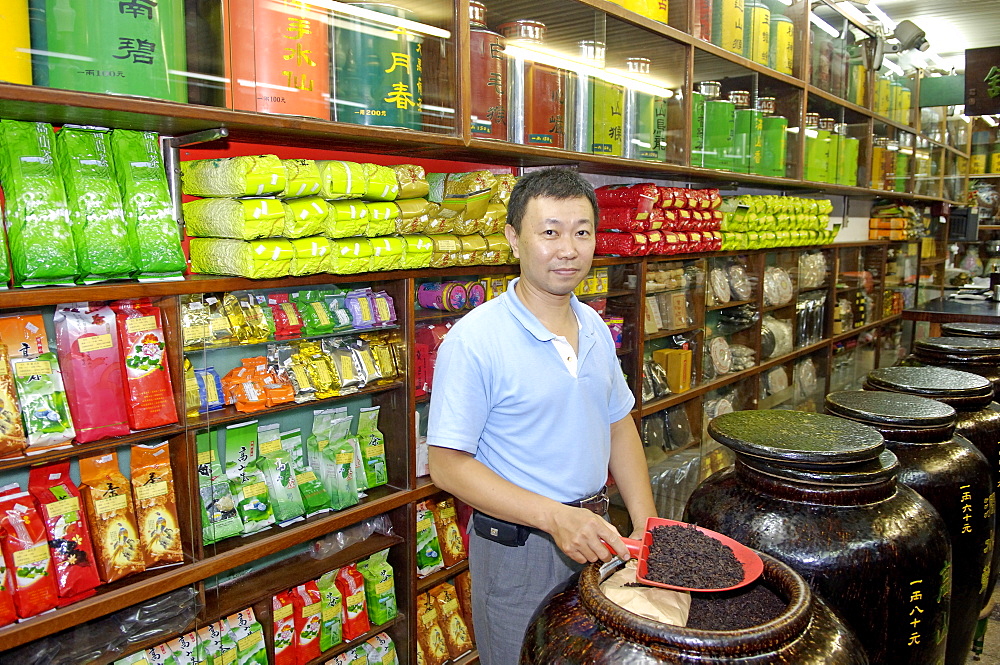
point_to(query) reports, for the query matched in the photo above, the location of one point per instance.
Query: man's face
(556, 243)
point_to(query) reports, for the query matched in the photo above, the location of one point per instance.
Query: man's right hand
(584, 536)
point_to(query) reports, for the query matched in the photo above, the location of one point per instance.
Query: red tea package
(7, 612)
(87, 346)
(26, 552)
(61, 509)
(111, 517)
(351, 585)
(155, 505)
(283, 616)
(147, 377)
(308, 620)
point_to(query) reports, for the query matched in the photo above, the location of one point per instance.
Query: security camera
(909, 37)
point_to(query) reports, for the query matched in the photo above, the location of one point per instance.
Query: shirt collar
(531, 323)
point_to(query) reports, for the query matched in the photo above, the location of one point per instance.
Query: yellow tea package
(156, 505)
(111, 516)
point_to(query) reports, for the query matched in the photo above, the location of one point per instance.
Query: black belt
(597, 503)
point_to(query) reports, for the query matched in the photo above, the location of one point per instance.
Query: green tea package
(304, 217)
(315, 498)
(150, 222)
(161, 655)
(313, 310)
(208, 645)
(310, 255)
(37, 217)
(246, 481)
(243, 219)
(372, 447)
(282, 484)
(332, 604)
(341, 463)
(302, 178)
(223, 644)
(428, 549)
(248, 634)
(251, 175)
(254, 259)
(350, 255)
(342, 180)
(382, 184)
(346, 219)
(95, 206)
(382, 218)
(382, 650)
(380, 588)
(336, 305)
(133, 659)
(187, 650)
(42, 397)
(219, 517)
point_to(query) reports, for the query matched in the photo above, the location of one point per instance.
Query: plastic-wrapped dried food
(304, 217)
(302, 178)
(382, 183)
(412, 181)
(194, 321)
(778, 288)
(387, 253)
(505, 185)
(346, 219)
(220, 332)
(494, 220)
(739, 282)
(381, 218)
(243, 219)
(350, 255)
(255, 259)
(251, 175)
(342, 180)
(418, 251)
(446, 250)
(311, 255)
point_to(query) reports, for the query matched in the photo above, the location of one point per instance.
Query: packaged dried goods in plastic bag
(456, 633)
(381, 649)
(95, 206)
(12, 439)
(310, 255)
(61, 509)
(351, 585)
(342, 180)
(37, 217)
(350, 255)
(302, 178)
(156, 505)
(332, 604)
(381, 219)
(252, 175)
(245, 480)
(308, 606)
(418, 251)
(304, 217)
(412, 181)
(382, 183)
(256, 259)
(249, 637)
(428, 548)
(282, 484)
(449, 535)
(372, 447)
(219, 517)
(153, 232)
(380, 589)
(89, 356)
(8, 614)
(111, 516)
(40, 393)
(283, 628)
(242, 219)
(346, 219)
(26, 553)
(387, 253)
(430, 633)
(147, 375)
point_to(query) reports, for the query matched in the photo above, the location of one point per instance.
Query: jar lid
(797, 437)
(869, 472)
(477, 14)
(959, 389)
(827, 124)
(710, 89)
(740, 97)
(970, 346)
(812, 119)
(766, 104)
(893, 409)
(969, 329)
(525, 29)
(592, 50)
(637, 65)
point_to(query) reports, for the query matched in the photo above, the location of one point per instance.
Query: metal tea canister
(847, 157)
(774, 139)
(487, 69)
(444, 296)
(781, 46)
(15, 42)
(727, 25)
(123, 48)
(713, 126)
(377, 73)
(536, 92)
(756, 31)
(747, 128)
(817, 149)
(283, 66)
(644, 119)
(594, 106)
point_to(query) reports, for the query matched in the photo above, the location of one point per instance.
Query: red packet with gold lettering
(26, 552)
(155, 505)
(87, 346)
(61, 509)
(147, 376)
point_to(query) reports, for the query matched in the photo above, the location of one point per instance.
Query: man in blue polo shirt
(529, 413)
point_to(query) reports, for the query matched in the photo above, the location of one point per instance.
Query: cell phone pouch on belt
(500, 531)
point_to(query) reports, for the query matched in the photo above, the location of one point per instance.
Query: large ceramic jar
(953, 475)
(978, 419)
(820, 493)
(969, 329)
(580, 625)
(978, 355)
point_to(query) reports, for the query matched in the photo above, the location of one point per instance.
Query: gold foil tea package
(494, 220)
(443, 221)
(469, 192)
(345, 365)
(322, 373)
(12, 439)
(412, 181)
(256, 321)
(192, 394)
(237, 319)
(155, 505)
(195, 327)
(220, 332)
(298, 375)
(111, 515)
(365, 359)
(382, 349)
(505, 185)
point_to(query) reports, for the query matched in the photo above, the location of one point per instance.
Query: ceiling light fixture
(823, 25)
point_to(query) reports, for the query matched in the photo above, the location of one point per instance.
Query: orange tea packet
(456, 633)
(449, 535)
(111, 515)
(156, 505)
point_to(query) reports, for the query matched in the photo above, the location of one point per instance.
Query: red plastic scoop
(752, 565)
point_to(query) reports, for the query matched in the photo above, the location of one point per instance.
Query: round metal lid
(895, 409)
(972, 346)
(797, 436)
(934, 382)
(871, 472)
(969, 329)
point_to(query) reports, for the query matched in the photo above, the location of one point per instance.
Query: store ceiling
(952, 26)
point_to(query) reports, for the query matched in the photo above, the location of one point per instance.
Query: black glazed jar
(978, 418)
(967, 354)
(970, 329)
(820, 493)
(580, 625)
(953, 476)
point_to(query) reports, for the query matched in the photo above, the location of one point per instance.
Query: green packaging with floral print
(246, 481)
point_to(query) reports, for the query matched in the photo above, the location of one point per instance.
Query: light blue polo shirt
(502, 392)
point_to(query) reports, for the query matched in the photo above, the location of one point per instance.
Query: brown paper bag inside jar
(663, 605)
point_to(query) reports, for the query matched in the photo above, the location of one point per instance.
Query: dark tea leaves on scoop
(684, 556)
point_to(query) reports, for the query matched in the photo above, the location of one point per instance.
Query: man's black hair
(555, 183)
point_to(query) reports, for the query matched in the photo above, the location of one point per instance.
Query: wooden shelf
(659, 334)
(91, 448)
(731, 303)
(443, 575)
(335, 651)
(353, 332)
